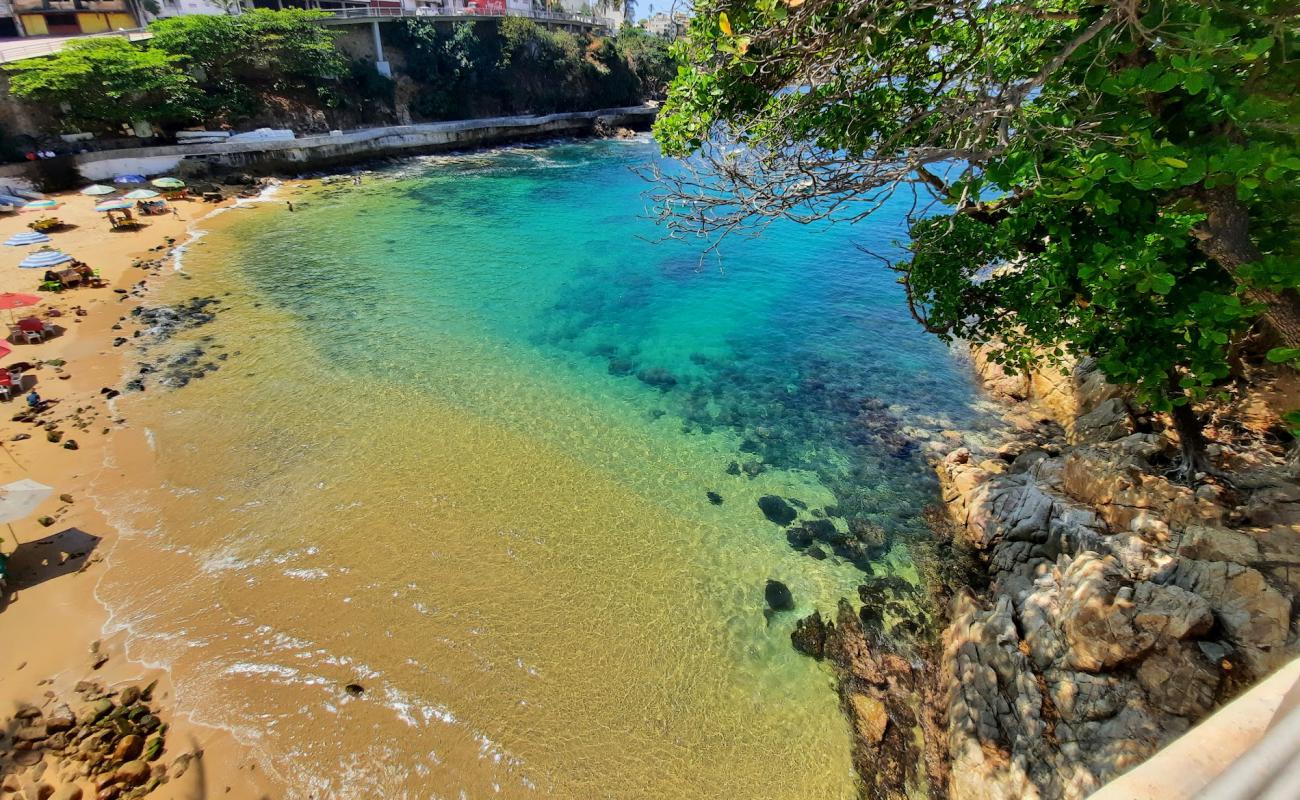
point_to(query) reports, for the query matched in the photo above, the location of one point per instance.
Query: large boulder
(776, 509)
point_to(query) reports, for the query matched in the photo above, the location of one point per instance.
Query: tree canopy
(1109, 178)
(239, 58)
(108, 81)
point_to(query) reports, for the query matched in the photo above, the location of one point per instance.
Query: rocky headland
(1095, 608)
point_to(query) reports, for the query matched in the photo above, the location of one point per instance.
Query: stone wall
(317, 152)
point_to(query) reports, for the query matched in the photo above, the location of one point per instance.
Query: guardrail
(428, 12)
(35, 48)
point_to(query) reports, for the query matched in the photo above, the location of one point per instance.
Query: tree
(1110, 178)
(106, 82)
(239, 59)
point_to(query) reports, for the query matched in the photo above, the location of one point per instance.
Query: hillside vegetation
(256, 67)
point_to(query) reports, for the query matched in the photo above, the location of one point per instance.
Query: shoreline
(56, 572)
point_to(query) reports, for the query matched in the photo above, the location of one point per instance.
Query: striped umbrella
(114, 205)
(40, 204)
(27, 238)
(98, 190)
(168, 183)
(129, 179)
(140, 194)
(44, 259)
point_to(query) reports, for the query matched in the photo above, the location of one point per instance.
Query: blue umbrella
(129, 179)
(44, 259)
(27, 238)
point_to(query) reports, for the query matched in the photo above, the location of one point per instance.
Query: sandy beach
(51, 621)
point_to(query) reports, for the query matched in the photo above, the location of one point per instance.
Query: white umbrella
(19, 499)
(27, 238)
(44, 259)
(98, 190)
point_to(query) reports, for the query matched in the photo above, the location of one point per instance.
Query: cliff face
(1113, 608)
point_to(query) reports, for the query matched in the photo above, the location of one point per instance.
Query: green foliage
(1085, 206)
(517, 67)
(106, 82)
(240, 59)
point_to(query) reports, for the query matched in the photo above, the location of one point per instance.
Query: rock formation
(1121, 607)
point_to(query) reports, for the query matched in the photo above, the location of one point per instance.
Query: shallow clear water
(457, 451)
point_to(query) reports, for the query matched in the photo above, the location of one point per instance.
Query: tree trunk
(1191, 439)
(1225, 237)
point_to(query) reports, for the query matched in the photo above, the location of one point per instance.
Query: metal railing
(431, 12)
(35, 48)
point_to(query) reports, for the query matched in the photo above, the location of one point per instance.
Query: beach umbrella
(140, 194)
(128, 179)
(5, 349)
(168, 183)
(40, 204)
(98, 190)
(44, 259)
(27, 238)
(19, 499)
(114, 205)
(11, 300)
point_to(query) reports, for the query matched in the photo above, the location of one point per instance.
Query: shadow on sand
(32, 563)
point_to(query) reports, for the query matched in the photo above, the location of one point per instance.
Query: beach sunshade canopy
(12, 300)
(98, 190)
(114, 205)
(168, 183)
(128, 179)
(27, 238)
(20, 498)
(5, 349)
(140, 194)
(44, 259)
(42, 204)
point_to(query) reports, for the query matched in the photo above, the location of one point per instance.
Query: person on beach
(290, 204)
(34, 401)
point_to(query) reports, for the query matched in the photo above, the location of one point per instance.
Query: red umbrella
(5, 349)
(12, 300)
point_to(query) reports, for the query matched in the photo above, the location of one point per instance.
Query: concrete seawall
(315, 152)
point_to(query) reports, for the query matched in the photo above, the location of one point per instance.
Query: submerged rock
(776, 509)
(714, 498)
(778, 596)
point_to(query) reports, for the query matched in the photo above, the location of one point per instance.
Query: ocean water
(456, 448)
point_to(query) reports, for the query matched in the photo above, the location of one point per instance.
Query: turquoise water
(458, 450)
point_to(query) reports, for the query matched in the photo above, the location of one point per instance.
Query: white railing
(427, 12)
(35, 48)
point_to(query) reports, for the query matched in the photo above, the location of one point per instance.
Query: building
(669, 26)
(74, 17)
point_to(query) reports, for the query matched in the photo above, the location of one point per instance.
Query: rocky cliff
(1120, 607)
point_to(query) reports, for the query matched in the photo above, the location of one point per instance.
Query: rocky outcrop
(1122, 607)
(895, 715)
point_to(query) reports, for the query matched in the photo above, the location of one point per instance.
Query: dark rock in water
(776, 509)
(798, 537)
(809, 636)
(823, 530)
(658, 377)
(817, 553)
(355, 689)
(135, 385)
(752, 468)
(778, 596)
(621, 366)
(733, 468)
(714, 498)
(798, 503)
